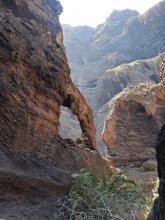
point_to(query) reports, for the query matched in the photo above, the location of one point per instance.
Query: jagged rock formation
(126, 36)
(35, 162)
(132, 125)
(103, 61)
(27, 47)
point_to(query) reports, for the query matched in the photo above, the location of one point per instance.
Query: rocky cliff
(34, 62)
(35, 162)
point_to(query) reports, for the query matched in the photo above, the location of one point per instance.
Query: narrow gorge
(82, 114)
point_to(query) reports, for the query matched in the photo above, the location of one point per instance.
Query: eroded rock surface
(35, 162)
(35, 74)
(133, 123)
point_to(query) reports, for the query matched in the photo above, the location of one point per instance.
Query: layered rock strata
(35, 74)
(35, 162)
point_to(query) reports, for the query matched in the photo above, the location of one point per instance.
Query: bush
(114, 196)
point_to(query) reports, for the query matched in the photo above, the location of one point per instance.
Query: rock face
(34, 62)
(34, 83)
(132, 125)
(115, 80)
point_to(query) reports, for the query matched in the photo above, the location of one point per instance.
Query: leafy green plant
(114, 196)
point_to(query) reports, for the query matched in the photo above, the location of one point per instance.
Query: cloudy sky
(94, 12)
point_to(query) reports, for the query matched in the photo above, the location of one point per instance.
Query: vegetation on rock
(114, 196)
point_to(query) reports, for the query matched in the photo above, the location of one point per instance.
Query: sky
(95, 12)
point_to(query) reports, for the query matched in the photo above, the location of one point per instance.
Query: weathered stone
(34, 62)
(133, 123)
(35, 162)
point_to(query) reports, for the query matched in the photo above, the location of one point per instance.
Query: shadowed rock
(158, 210)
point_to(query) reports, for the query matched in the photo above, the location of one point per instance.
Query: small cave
(68, 101)
(69, 125)
(140, 109)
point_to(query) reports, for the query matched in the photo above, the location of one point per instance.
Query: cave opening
(69, 125)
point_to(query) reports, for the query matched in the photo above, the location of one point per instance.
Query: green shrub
(113, 196)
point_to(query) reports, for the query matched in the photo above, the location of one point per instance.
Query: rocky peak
(121, 15)
(115, 23)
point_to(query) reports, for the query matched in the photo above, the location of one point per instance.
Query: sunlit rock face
(34, 83)
(132, 125)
